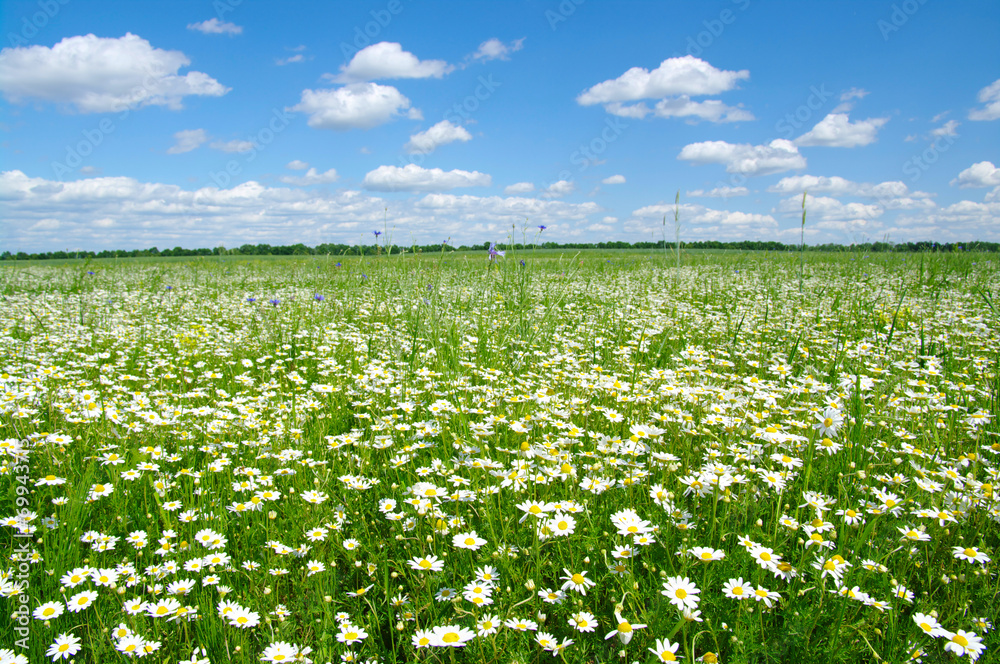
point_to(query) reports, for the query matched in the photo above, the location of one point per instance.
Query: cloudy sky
(199, 123)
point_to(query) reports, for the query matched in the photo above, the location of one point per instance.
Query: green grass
(500, 383)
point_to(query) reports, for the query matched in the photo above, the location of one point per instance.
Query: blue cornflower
(275, 302)
(251, 300)
(318, 297)
(494, 252)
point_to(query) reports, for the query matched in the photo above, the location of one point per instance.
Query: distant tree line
(358, 250)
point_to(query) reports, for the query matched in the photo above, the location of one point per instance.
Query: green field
(593, 456)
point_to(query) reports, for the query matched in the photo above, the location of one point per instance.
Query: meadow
(592, 457)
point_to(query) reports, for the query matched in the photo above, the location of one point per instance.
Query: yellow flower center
(738, 590)
(681, 593)
(577, 579)
(450, 637)
(960, 640)
(706, 555)
(971, 553)
(425, 564)
(624, 627)
(765, 556)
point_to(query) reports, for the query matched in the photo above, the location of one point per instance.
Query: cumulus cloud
(310, 177)
(214, 26)
(947, 129)
(187, 140)
(519, 188)
(981, 174)
(119, 212)
(836, 130)
(990, 96)
(720, 192)
(893, 195)
(777, 156)
(101, 75)
(614, 179)
(495, 213)
(355, 106)
(388, 60)
(700, 222)
(559, 189)
(297, 165)
(825, 208)
(232, 146)
(673, 83)
(440, 134)
(494, 49)
(298, 57)
(687, 75)
(711, 110)
(414, 178)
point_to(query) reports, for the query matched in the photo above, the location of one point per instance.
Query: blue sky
(133, 124)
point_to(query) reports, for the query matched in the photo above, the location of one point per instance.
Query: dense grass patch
(595, 456)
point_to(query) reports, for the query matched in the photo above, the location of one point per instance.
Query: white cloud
(777, 156)
(990, 95)
(559, 189)
(101, 75)
(214, 26)
(700, 222)
(825, 208)
(836, 130)
(495, 213)
(847, 99)
(388, 60)
(675, 76)
(187, 140)
(892, 195)
(414, 178)
(298, 57)
(109, 213)
(232, 146)
(720, 192)
(614, 179)
(712, 110)
(981, 174)
(90, 170)
(494, 49)
(440, 134)
(310, 177)
(355, 106)
(297, 165)
(947, 129)
(519, 188)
